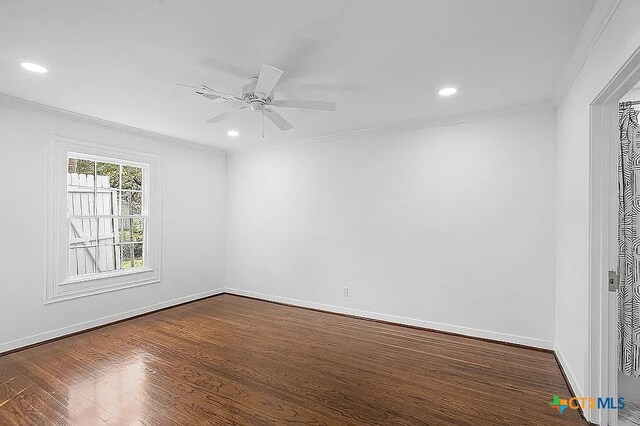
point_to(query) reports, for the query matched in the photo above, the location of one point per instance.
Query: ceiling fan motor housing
(256, 102)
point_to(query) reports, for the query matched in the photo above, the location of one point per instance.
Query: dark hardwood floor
(233, 360)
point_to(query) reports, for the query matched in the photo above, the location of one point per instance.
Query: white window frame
(59, 284)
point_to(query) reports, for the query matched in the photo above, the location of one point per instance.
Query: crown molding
(599, 18)
(491, 114)
(23, 104)
(486, 115)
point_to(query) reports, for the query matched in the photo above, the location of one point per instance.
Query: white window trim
(59, 285)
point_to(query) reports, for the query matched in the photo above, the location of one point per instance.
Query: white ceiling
(381, 61)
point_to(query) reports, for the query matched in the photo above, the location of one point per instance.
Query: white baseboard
(571, 377)
(467, 331)
(472, 332)
(48, 335)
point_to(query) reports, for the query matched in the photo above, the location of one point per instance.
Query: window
(106, 215)
(103, 228)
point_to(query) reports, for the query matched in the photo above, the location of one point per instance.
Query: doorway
(603, 322)
(626, 314)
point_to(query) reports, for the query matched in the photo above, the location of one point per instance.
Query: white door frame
(603, 239)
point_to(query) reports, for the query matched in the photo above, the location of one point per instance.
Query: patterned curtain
(629, 242)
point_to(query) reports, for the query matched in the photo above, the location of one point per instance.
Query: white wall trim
(467, 331)
(571, 377)
(597, 21)
(601, 374)
(453, 120)
(64, 331)
(23, 104)
(59, 285)
(485, 115)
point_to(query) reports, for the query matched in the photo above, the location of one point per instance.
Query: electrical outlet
(345, 291)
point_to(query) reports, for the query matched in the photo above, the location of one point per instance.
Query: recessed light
(233, 133)
(447, 91)
(30, 66)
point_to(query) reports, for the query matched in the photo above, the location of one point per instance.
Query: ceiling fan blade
(209, 96)
(319, 105)
(267, 80)
(189, 86)
(217, 92)
(201, 89)
(277, 119)
(218, 118)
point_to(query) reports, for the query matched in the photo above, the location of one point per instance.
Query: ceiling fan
(258, 96)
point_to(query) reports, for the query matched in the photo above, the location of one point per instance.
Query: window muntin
(106, 216)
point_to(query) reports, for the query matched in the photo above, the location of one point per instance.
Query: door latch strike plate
(614, 281)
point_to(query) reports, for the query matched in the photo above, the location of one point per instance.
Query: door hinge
(614, 280)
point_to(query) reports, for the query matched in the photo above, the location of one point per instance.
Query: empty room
(327, 212)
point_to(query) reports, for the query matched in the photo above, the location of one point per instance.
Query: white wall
(193, 229)
(612, 49)
(450, 227)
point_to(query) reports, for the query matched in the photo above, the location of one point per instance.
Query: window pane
(81, 173)
(108, 227)
(81, 187)
(126, 255)
(126, 230)
(138, 256)
(132, 178)
(131, 256)
(131, 230)
(83, 232)
(103, 188)
(82, 261)
(131, 203)
(107, 257)
(108, 175)
(86, 167)
(137, 230)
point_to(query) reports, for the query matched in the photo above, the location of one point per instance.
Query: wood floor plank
(234, 360)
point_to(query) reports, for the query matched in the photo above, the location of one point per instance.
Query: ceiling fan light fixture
(33, 67)
(233, 133)
(447, 91)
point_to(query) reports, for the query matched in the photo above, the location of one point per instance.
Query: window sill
(105, 275)
(96, 284)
